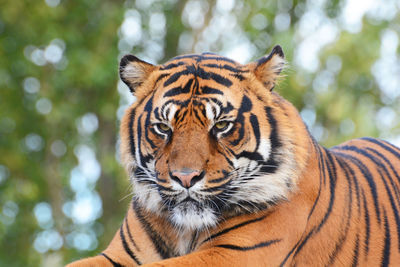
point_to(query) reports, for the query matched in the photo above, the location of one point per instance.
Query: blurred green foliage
(60, 106)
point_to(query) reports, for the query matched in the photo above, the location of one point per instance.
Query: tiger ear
(267, 69)
(134, 72)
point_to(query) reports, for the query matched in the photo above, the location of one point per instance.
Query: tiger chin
(225, 173)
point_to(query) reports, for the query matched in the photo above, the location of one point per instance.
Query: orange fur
(329, 207)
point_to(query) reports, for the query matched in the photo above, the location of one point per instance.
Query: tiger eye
(163, 127)
(221, 125)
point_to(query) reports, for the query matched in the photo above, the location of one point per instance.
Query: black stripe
(162, 112)
(298, 247)
(131, 139)
(163, 188)
(148, 108)
(233, 228)
(227, 109)
(396, 189)
(219, 58)
(332, 185)
(115, 264)
(272, 165)
(180, 116)
(332, 175)
(256, 157)
(139, 141)
(367, 225)
(368, 176)
(201, 73)
(226, 67)
(245, 106)
(144, 159)
(199, 119)
(179, 90)
(218, 180)
(174, 77)
(226, 158)
(343, 233)
(238, 76)
(157, 113)
(274, 136)
(346, 166)
(356, 252)
(386, 249)
(210, 90)
(259, 245)
(154, 236)
(193, 241)
(177, 102)
(214, 189)
(389, 147)
(196, 87)
(126, 247)
(256, 129)
(160, 78)
(166, 113)
(130, 235)
(321, 167)
(379, 163)
(172, 65)
(175, 91)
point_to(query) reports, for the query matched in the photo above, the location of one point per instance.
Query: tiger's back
(355, 217)
(226, 173)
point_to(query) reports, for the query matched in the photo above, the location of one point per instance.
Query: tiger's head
(207, 137)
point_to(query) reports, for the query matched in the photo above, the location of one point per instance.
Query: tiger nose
(187, 177)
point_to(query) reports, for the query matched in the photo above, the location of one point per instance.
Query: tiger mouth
(189, 199)
(193, 214)
(189, 204)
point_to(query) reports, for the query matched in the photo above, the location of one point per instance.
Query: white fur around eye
(227, 129)
(171, 112)
(209, 112)
(264, 148)
(160, 131)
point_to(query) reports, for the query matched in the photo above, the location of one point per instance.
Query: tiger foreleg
(211, 257)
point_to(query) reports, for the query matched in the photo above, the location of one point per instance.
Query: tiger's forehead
(199, 85)
(203, 58)
(197, 75)
(205, 66)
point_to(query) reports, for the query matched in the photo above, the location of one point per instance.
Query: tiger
(226, 173)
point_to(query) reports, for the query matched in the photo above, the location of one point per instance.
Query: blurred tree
(63, 193)
(58, 74)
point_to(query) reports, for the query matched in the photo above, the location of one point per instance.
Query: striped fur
(264, 194)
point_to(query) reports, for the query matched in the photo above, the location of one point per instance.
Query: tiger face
(201, 142)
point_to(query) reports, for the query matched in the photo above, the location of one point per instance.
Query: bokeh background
(63, 192)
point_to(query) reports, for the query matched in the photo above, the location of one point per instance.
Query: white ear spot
(132, 71)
